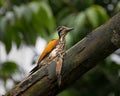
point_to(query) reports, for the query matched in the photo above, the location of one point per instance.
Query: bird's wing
(51, 45)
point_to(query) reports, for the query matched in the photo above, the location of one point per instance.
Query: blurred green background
(23, 21)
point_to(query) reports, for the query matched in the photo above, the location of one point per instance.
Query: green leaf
(102, 14)
(8, 68)
(8, 43)
(92, 16)
(79, 21)
(3, 24)
(96, 15)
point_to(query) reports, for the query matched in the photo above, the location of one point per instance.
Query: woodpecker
(55, 50)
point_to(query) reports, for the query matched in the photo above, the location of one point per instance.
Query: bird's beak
(69, 29)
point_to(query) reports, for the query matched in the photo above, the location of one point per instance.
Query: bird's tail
(34, 69)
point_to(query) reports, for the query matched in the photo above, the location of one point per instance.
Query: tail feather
(34, 69)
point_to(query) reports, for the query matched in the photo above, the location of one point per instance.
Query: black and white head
(63, 30)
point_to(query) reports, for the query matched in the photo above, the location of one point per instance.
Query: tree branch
(78, 60)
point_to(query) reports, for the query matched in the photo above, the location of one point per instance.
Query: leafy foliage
(14, 23)
(8, 68)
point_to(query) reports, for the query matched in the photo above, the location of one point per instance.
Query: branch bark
(78, 60)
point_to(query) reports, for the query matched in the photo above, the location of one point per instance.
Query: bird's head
(62, 30)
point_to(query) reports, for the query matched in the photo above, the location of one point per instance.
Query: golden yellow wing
(51, 45)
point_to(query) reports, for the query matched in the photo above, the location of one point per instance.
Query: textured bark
(78, 60)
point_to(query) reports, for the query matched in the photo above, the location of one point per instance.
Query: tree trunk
(78, 60)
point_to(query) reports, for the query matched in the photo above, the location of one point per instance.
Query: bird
(55, 50)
